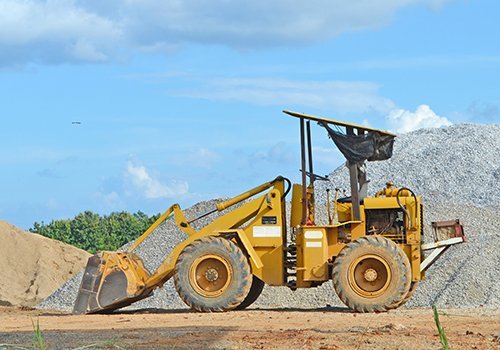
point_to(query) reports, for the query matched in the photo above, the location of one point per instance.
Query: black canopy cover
(370, 146)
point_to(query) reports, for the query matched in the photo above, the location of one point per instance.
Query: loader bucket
(111, 281)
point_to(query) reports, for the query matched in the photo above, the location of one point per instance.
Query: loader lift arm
(229, 222)
(113, 280)
(185, 225)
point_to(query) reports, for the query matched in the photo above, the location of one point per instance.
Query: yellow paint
(259, 227)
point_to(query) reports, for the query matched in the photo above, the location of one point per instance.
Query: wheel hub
(371, 275)
(212, 275)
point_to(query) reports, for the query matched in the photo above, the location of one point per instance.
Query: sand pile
(33, 266)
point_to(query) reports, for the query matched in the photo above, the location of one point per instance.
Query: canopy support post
(303, 170)
(353, 176)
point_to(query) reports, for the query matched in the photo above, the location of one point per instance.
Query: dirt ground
(329, 328)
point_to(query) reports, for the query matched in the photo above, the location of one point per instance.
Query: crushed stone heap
(455, 169)
(457, 164)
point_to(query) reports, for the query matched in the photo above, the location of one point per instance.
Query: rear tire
(253, 294)
(212, 275)
(413, 289)
(371, 274)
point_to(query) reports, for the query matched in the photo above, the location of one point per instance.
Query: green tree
(93, 232)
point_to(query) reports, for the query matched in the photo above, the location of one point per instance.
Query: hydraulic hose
(245, 195)
(289, 187)
(401, 206)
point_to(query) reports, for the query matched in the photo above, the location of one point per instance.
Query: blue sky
(180, 101)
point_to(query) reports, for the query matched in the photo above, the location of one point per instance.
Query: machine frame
(305, 256)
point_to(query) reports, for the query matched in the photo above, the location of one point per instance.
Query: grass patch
(38, 342)
(442, 334)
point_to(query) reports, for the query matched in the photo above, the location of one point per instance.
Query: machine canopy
(364, 144)
(358, 148)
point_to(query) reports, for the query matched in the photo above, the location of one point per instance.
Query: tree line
(92, 232)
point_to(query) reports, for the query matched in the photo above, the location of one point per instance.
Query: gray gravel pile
(455, 169)
(457, 172)
(458, 164)
(466, 275)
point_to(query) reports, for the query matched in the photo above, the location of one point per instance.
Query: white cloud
(437, 5)
(281, 152)
(329, 158)
(94, 30)
(255, 23)
(366, 122)
(106, 201)
(401, 120)
(484, 110)
(339, 96)
(86, 51)
(53, 204)
(152, 188)
(201, 157)
(399, 63)
(53, 31)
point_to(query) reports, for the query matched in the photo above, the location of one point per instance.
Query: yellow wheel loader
(371, 247)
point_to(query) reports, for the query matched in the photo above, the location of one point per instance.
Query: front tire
(212, 274)
(371, 274)
(253, 294)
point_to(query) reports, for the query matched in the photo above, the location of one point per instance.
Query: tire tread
(400, 258)
(242, 265)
